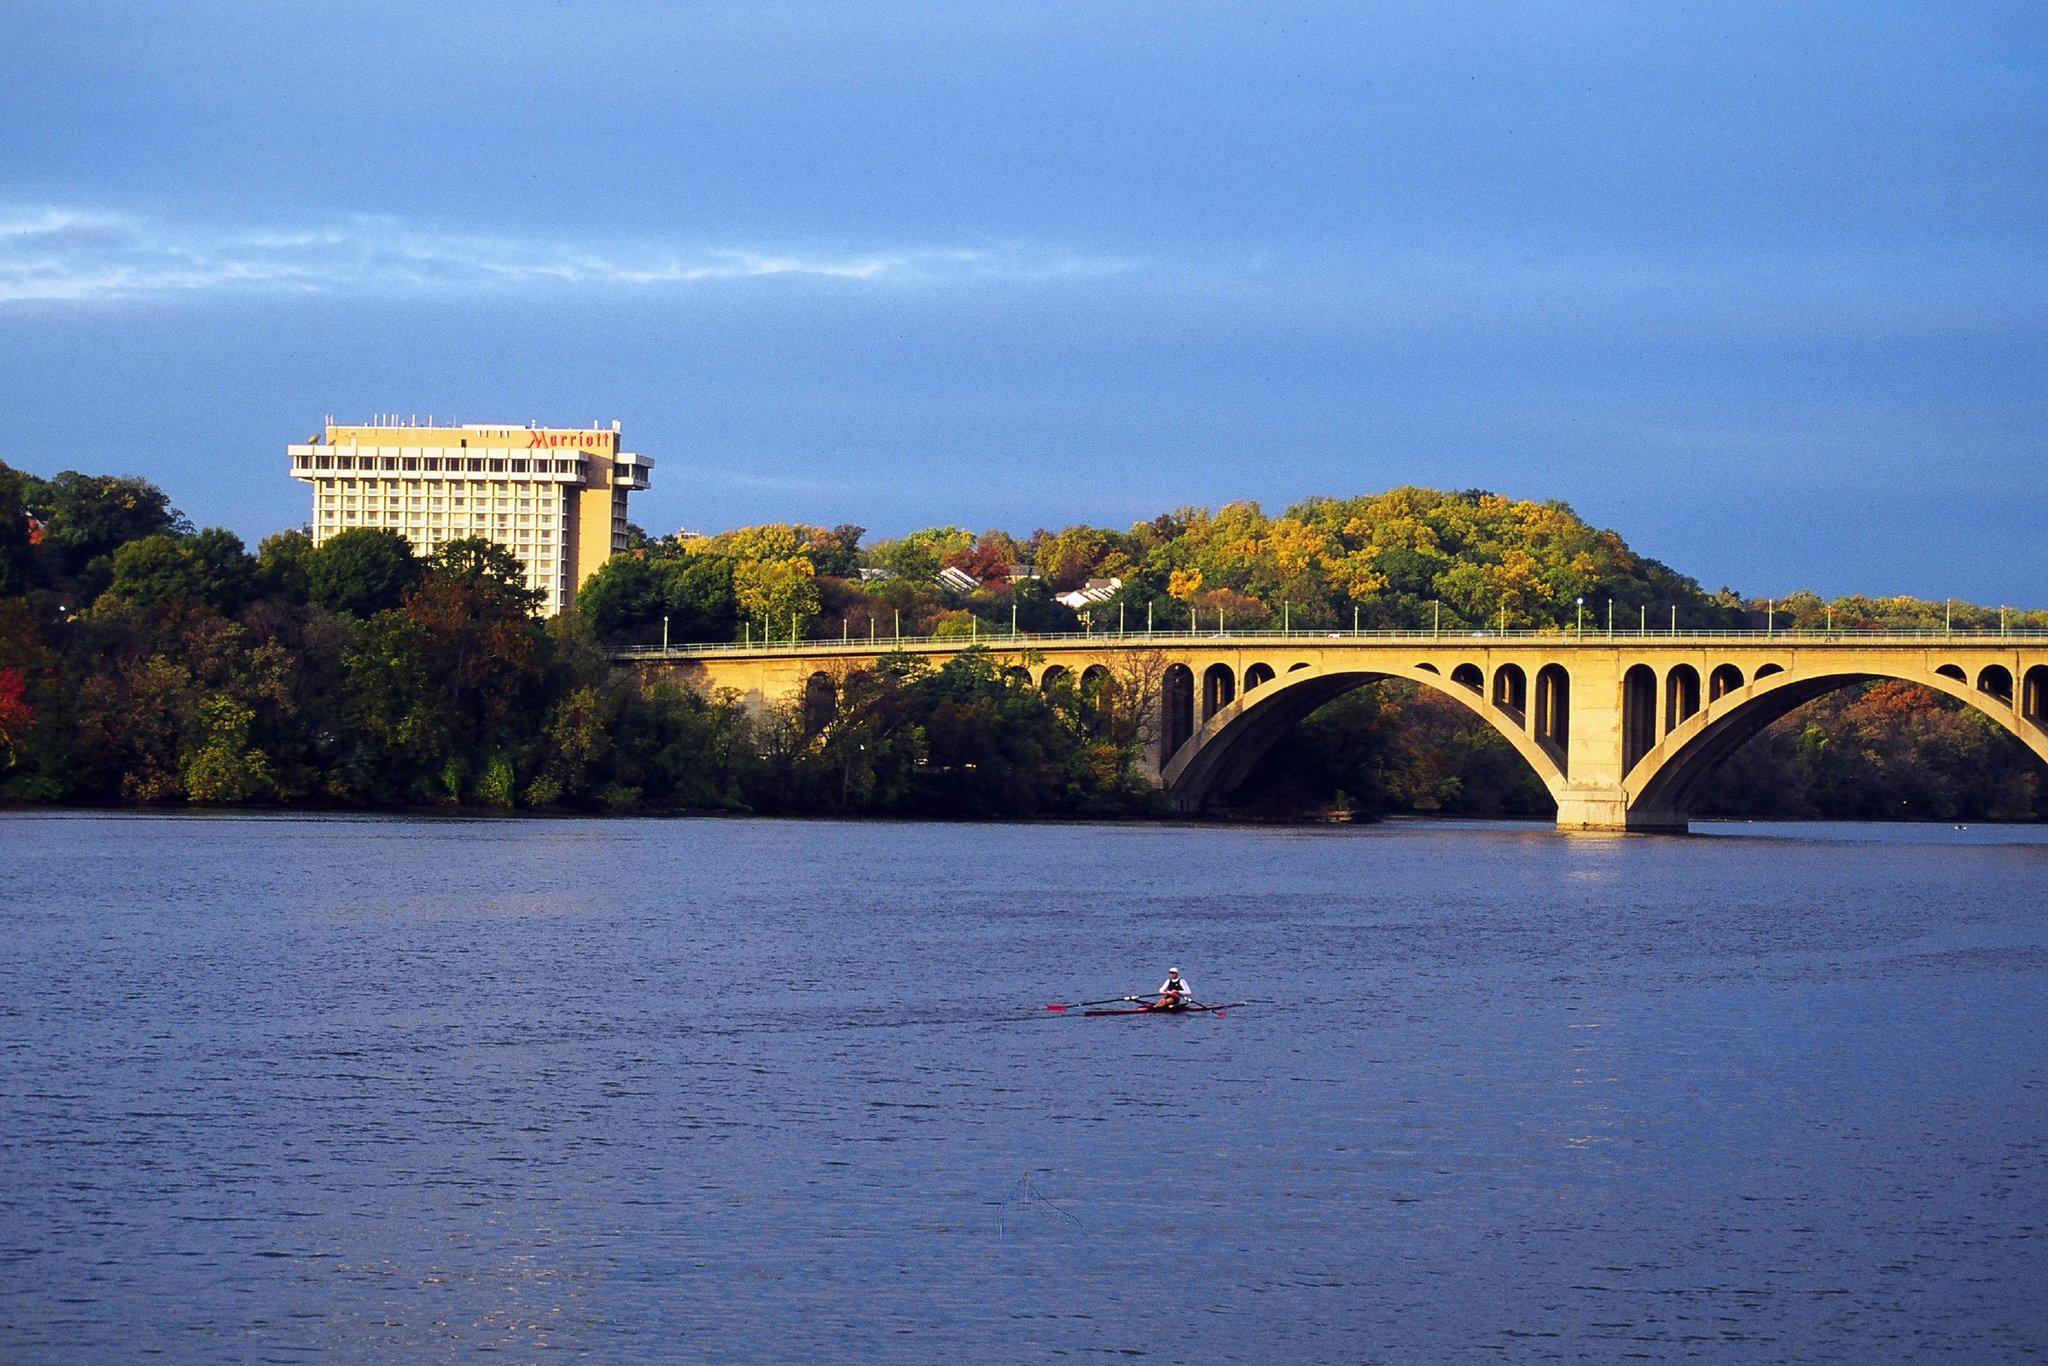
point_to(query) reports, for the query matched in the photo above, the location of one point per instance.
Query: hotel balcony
(317, 463)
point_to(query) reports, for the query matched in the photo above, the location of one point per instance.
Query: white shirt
(1169, 984)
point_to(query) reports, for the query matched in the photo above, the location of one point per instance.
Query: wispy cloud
(58, 254)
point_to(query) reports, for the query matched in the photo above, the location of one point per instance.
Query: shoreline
(1232, 822)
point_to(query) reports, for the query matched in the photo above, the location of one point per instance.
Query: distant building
(957, 580)
(1090, 593)
(554, 496)
(874, 575)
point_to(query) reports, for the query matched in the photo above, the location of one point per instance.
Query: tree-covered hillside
(144, 661)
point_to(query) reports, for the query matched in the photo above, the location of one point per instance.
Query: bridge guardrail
(1168, 639)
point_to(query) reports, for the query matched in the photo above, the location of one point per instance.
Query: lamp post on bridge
(1580, 603)
(664, 633)
(1610, 618)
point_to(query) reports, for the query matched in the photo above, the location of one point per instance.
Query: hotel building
(553, 496)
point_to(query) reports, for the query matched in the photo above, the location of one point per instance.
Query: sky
(1760, 286)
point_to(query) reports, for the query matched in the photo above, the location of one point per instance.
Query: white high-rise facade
(553, 496)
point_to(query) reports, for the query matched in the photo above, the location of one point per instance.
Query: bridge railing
(1004, 640)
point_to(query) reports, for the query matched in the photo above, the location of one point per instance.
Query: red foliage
(16, 715)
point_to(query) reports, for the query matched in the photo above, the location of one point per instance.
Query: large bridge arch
(1661, 785)
(1217, 756)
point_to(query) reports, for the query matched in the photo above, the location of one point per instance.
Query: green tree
(14, 533)
(281, 559)
(87, 516)
(362, 571)
(163, 570)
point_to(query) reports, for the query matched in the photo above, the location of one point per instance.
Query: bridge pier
(1609, 809)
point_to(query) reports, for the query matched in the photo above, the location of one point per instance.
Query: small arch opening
(820, 703)
(1256, 675)
(2034, 695)
(1297, 668)
(1469, 676)
(1052, 676)
(1954, 671)
(1638, 714)
(1996, 680)
(1176, 708)
(1098, 691)
(1017, 676)
(1681, 696)
(1430, 669)
(1219, 689)
(1511, 689)
(1767, 670)
(1554, 710)
(1725, 679)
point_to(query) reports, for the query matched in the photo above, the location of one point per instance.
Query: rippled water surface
(280, 1087)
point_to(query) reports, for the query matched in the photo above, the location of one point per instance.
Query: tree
(16, 714)
(362, 571)
(920, 555)
(783, 594)
(448, 691)
(163, 570)
(487, 570)
(625, 600)
(14, 533)
(281, 560)
(86, 516)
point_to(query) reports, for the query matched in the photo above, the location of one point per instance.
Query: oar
(1106, 1001)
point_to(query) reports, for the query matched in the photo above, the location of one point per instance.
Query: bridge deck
(1209, 640)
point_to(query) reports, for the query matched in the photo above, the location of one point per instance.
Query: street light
(664, 633)
(1581, 604)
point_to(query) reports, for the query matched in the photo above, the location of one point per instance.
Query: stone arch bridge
(1622, 729)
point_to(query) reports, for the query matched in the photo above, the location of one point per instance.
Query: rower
(1173, 992)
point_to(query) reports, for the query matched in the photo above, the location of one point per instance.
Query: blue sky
(1761, 286)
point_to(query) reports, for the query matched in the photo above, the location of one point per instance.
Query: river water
(282, 1087)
